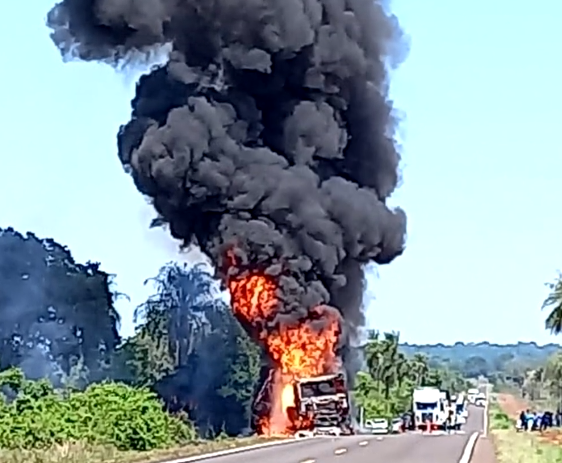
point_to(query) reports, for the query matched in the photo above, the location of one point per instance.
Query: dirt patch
(551, 436)
(511, 405)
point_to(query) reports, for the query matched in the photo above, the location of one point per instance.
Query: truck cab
(429, 408)
(322, 404)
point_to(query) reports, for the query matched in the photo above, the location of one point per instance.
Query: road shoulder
(484, 451)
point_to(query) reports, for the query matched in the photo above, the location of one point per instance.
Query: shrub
(107, 413)
(499, 419)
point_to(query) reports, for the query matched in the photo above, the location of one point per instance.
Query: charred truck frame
(322, 405)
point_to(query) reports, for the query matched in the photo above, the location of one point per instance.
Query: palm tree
(553, 321)
(390, 357)
(188, 300)
(420, 369)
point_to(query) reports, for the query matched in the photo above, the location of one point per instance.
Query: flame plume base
(298, 349)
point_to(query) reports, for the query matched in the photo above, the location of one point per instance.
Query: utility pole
(362, 417)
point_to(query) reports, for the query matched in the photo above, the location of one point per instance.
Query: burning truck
(267, 139)
(323, 403)
(320, 405)
(304, 388)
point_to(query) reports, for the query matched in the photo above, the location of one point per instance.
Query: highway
(402, 448)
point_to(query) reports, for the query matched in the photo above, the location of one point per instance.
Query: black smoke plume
(269, 130)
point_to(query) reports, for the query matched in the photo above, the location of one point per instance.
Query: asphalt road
(403, 448)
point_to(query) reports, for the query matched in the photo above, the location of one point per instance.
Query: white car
(377, 426)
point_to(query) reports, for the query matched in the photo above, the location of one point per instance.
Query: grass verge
(519, 447)
(522, 447)
(80, 453)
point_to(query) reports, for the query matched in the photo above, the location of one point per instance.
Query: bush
(499, 419)
(37, 416)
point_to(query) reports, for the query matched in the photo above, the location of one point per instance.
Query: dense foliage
(189, 357)
(55, 312)
(59, 322)
(385, 389)
(34, 414)
(193, 352)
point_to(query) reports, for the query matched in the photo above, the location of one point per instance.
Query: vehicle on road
(461, 412)
(480, 399)
(323, 403)
(430, 410)
(377, 426)
(471, 395)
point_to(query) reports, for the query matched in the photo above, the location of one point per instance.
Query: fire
(297, 351)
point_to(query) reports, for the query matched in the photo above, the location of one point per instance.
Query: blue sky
(482, 93)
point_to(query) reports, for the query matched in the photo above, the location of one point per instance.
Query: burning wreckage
(305, 388)
(320, 405)
(267, 139)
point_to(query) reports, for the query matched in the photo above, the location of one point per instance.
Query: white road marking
(363, 443)
(469, 448)
(222, 453)
(340, 451)
(311, 460)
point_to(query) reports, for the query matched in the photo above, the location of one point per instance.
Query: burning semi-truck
(322, 404)
(318, 405)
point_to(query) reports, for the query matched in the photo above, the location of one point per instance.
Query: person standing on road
(449, 422)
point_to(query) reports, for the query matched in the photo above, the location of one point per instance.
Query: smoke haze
(269, 131)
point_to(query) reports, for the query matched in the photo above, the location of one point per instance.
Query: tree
(56, 313)
(386, 387)
(420, 369)
(553, 302)
(475, 367)
(552, 377)
(192, 350)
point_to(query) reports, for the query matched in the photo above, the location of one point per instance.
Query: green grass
(521, 447)
(499, 419)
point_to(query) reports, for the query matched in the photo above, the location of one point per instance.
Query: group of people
(534, 421)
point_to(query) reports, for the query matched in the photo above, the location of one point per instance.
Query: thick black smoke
(268, 130)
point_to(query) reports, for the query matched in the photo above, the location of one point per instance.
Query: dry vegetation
(79, 453)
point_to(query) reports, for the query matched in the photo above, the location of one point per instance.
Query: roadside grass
(514, 447)
(519, 447)
(82, 453)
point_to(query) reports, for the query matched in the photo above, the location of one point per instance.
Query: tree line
(59, 322)
(385, 388)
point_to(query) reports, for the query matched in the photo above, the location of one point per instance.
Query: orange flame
(300, 351)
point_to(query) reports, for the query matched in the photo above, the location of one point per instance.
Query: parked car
(377, 426)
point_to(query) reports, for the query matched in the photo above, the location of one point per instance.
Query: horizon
(476, 201)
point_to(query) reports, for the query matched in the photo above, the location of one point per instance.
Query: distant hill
(484, 357)
(460, 351)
